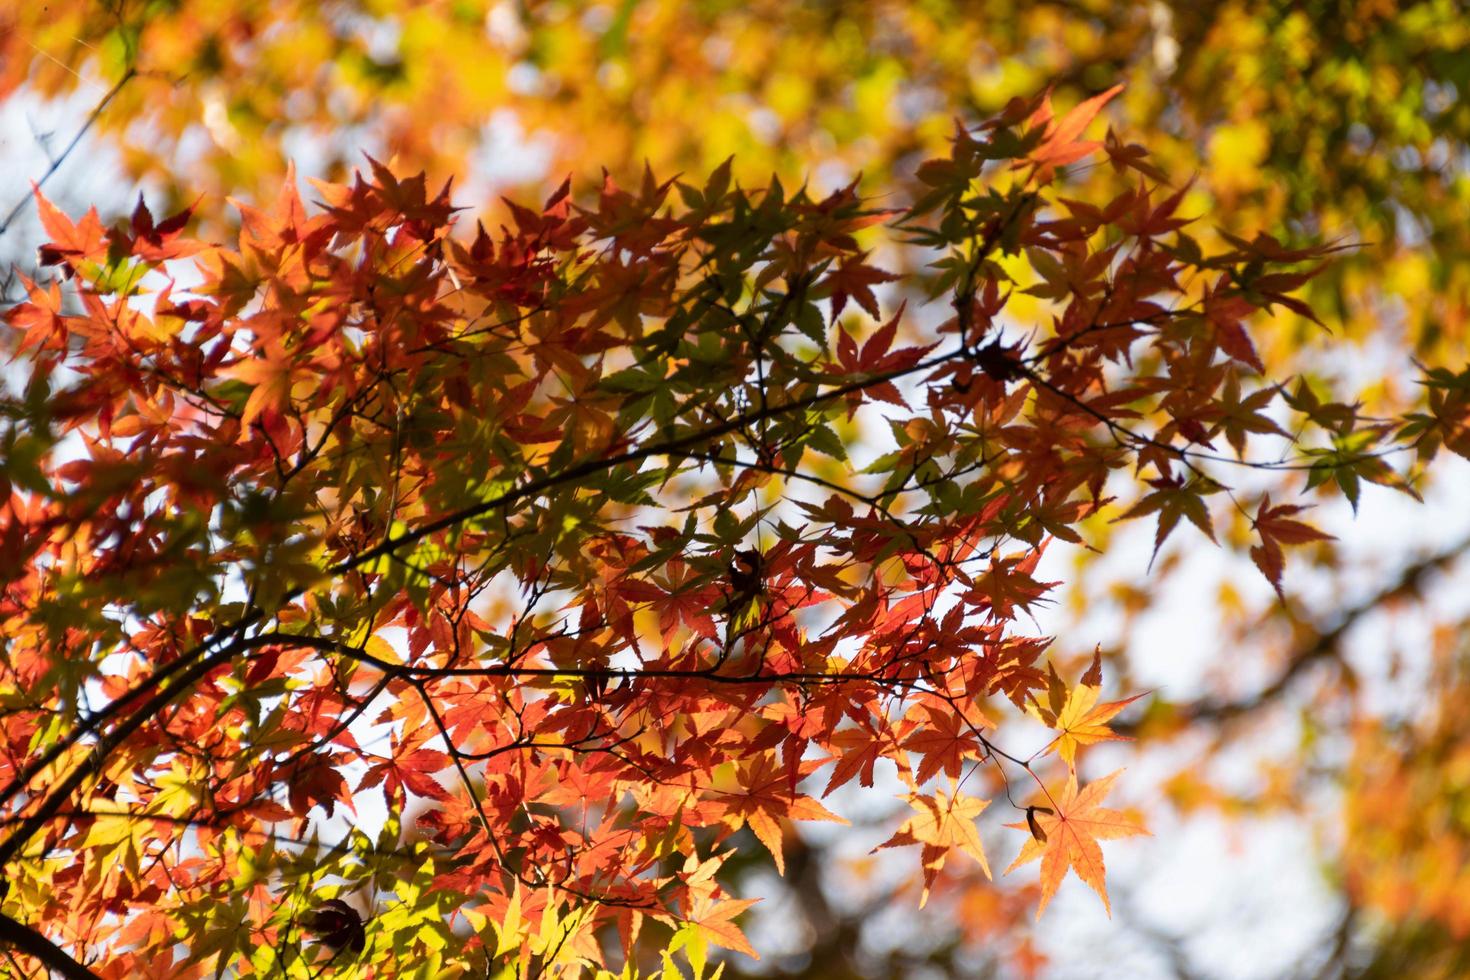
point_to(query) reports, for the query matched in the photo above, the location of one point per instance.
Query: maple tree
(1315, 123)
(552, 540)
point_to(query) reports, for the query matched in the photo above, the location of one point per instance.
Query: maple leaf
(1007, 584)
(943, 740)
(1069, 838)
(40, 317)
(1130, 155)
(1059, 143)
(316, 781)
(942, 823)
(716, 921)
(415, 768)
(854, 278)
(1173, 499)
(856, 750)
(767, 796)
(1224, 310)
(1239, 416)
(1080, 719)
(337, 924)
(269, 372)
(707, 909)
(159, 242)
(875, 358)
(70, 243)
(1275, 526)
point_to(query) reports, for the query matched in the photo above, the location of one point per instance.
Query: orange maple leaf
(716, 920)
(942, 823)
(1080, 723)
(71, 242)
(708, 908)
(1069, 838)
(765, 799)
(1275, 526)
(1059, 144)
(944, 740)
(269, 372)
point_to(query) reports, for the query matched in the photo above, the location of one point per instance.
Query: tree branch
(32, 943)
(97, 758)
(1326, 645)
(186, 660)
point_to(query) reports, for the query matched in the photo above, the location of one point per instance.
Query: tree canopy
(386, 594)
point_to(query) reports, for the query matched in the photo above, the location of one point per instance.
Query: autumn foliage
(389, 597)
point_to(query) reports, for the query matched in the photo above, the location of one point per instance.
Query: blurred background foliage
(1341, 120)
(1337, 120)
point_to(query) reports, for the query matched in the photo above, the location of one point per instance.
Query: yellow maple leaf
(1080, 723)
(1079, 718)
(941, 823)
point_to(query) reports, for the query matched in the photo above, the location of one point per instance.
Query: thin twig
(92, 118)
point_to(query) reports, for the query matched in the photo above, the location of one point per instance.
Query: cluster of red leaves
(562, 517)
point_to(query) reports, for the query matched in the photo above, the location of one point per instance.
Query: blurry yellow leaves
(789, 95)
(1235, 152)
